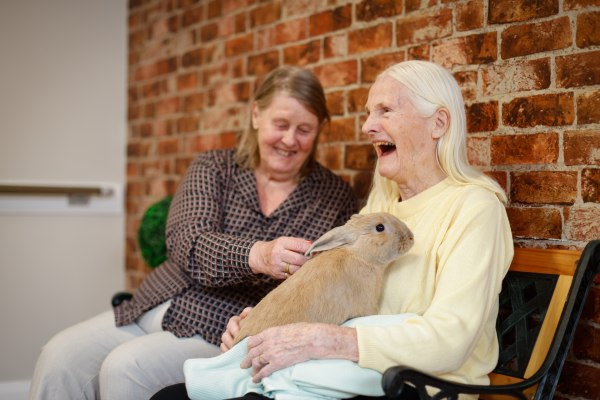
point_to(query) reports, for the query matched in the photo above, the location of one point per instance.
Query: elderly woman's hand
(278, 258)
(233, 327)
(283, 346)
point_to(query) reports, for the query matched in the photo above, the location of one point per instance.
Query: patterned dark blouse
(214, 220)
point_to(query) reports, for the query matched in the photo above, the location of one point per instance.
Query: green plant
(151, 233)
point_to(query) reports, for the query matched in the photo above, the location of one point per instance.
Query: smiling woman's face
(286, 134)
(401, 136)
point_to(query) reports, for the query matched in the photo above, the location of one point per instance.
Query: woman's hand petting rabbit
(232, 329)
(283, 346)
(278, 258)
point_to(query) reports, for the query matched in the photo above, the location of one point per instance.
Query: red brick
(192, 16)
(193, 102)
(209, 32)
(516, 76)
(163, 27)
(202, 143)
(361, 185)
(133, 113)
(167, 106)
(232, 24)
(335, 46)
(535, 223)
(372, 66)
(467, 80)
(588, 29)
(586, 344)
(420, 52)
(215, 74)
(521, 40)
(339, 130)
(357, 99)
(230, 6)
(360, 157)
(225, 94)
(136, 39)
(307, 53)
(591, 310)
(546, 109)
(265, 14)
(371, 38)
(590, 185)
(503, 11)
(482, 117)
(469, 15)
(154, 89)
(577, 70)
(582, 147)
(424, 28)
(473, 49)
(583, 223)
(159, 68)
(187, 81)
(263, 63)
(330, 20)
(330, 155)
(192, 58)
(164, 127)
(577, 4)
(214, 9)
(543, 187)
(368, 10)
(187, 124)
(335, 102)
(337, 74)
(500, 177)
(537, 148)
(579, 381)
(168, 146)
(239, 45)
(478, 151)
(588, 111)
(289, 31)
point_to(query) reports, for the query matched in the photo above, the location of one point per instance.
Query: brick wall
(530, 73)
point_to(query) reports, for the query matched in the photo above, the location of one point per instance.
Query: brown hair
(302, 85)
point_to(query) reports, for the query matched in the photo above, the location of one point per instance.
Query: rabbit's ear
(336, 237)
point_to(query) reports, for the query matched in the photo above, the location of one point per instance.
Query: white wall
(62, 120)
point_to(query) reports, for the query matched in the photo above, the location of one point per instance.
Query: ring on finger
(287, 268)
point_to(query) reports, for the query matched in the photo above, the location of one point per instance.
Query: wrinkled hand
(278, 258)
(232, 329)
(283, 346)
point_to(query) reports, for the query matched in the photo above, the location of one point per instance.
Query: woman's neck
(273, 190)
(420, 183)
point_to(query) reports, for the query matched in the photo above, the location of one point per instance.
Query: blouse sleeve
(194, 234)
(471, 262)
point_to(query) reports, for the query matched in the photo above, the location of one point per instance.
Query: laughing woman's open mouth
(384, 148)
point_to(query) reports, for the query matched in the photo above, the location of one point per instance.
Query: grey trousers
(97, 360)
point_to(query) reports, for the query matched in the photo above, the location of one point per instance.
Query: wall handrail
(46, 190)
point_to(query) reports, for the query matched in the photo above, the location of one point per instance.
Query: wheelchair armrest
(120, 297)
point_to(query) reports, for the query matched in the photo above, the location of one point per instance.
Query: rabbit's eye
(380, 228)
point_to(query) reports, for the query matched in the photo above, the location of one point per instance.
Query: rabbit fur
(342, 281)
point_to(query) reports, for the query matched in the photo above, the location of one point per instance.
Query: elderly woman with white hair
(447, 285)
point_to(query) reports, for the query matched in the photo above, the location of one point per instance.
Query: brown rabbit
(342, 282)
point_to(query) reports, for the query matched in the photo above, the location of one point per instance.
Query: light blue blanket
(221, 377)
